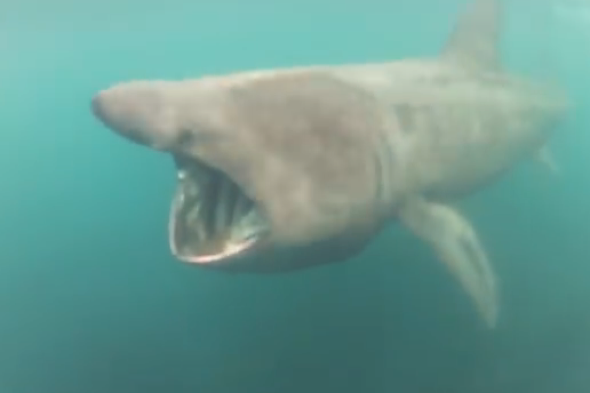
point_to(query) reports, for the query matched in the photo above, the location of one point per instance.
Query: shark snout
(116, 111)
(139, 111)
(108, 112)
(98, 105)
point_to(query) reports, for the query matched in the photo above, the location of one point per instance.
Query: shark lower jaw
(212, 220)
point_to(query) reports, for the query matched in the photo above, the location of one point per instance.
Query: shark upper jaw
(212, 221)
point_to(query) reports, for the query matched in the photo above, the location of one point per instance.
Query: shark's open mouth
(211, 219)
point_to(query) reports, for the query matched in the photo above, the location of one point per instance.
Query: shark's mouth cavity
(211, 219)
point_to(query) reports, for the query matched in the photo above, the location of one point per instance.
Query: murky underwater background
(91, 301)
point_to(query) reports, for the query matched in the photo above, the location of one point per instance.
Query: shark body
(285, 169)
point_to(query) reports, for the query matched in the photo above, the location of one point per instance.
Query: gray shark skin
(285, 169)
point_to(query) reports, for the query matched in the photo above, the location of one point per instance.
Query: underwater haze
(92, 301)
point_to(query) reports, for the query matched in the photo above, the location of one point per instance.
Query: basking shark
(284, 169)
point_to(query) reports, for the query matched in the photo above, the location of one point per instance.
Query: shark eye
(185, 137)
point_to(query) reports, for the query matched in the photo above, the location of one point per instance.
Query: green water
(91, 301)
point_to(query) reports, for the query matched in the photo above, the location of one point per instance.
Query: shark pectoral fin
(456, 244)
(545, 158)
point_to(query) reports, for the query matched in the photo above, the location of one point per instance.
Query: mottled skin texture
(331, 154)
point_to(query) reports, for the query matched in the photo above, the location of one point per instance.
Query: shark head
(211, 217)
(264, 165)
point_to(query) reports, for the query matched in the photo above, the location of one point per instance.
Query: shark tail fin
(474, 40)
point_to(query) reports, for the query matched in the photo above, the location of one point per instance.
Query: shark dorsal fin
(474, 40)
